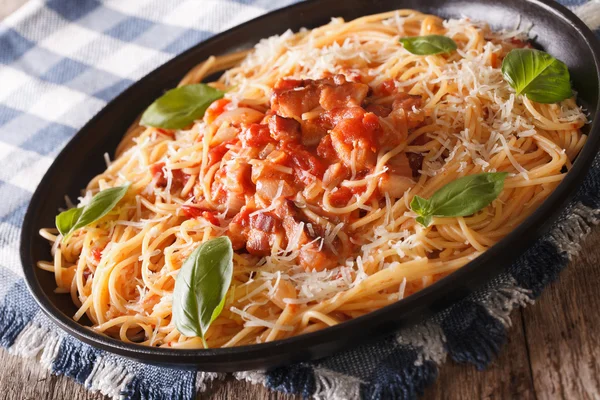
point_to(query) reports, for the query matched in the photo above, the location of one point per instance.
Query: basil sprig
(537, 75)
(459, 198)
(427, 45)
(101, 204)
(181, 106)
(201, 286)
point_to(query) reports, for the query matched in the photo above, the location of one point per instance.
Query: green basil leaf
(101, 204)
(201, 286)
(67, 220)
(459, 198)
(424, 220)
(537, 75)
(430, 44)
(419, 205)
(181, 106)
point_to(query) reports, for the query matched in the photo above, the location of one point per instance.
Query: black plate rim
(240, 358)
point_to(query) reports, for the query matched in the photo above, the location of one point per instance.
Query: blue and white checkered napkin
(61, 61)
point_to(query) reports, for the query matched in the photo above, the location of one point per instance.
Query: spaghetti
(309, 164)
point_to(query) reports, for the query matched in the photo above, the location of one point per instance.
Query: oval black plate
(555, 29)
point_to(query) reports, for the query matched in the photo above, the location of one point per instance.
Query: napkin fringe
(332, 385)
(400, 376)
(108, 378)
(75, 359)
(34, 340)
(296, 378)
(501, 302)
(428, 339)
(577, 225)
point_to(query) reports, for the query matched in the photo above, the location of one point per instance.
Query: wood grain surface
(552, 352)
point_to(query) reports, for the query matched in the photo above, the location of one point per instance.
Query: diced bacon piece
(400, 120)
(268, 171)
(395, 129)
(286, 209)
(264, 221)
(312, 133)
(400, 165)
(325, 149)
(303, 162)
(287, 212)
(265, 230)
(269, 188)
(340, 197)
(284, 129)
(238, 228)
(238, 177)
(292, 98)
(258, 243)
(287, 84)
(345, 95)
(256, 135)
(333, 117)
(278, 157)
(379, 110)
(260, 231)
(410, 103)
(353, 141)
(216, 153)
(293, 103)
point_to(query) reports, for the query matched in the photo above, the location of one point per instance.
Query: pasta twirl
(309, 164)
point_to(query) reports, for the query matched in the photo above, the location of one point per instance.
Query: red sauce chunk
(96, 254)
(179, 178)
(197, 212)
(215, 109)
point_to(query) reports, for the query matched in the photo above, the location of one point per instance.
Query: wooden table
(553, 348)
